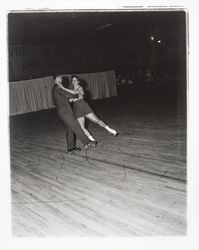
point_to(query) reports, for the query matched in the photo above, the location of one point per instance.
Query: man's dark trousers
(72, 126)
(65, 113)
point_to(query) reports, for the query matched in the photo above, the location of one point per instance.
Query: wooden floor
(134, 184)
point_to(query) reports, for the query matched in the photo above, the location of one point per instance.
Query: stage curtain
(36, 94)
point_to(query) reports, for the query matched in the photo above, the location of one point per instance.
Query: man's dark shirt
(61, 100)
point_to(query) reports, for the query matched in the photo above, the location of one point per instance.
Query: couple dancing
(74, 120)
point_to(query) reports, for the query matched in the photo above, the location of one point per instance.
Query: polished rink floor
(133, 184)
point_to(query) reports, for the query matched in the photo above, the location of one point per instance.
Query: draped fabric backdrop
(36, 94)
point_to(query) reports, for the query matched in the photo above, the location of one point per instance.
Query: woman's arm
(70, 90)
(65, 93)
(73, 99)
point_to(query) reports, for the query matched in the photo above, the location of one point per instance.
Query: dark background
(81, 42)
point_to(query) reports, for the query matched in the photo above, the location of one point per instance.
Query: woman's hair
(74, 76)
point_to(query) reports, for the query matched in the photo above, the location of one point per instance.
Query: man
(65, 113)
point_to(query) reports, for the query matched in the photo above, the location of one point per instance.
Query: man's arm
(53, 98)
(66, 94)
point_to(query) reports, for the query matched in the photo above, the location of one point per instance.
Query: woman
(82, 109)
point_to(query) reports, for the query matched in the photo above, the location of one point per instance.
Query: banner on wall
(27, 62)
(36, 61)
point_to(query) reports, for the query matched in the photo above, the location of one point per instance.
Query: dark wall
(124, 45)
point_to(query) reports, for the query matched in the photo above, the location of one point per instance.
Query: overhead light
(159, 41)
(152, 38)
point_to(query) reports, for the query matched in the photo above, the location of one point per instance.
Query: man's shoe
(92, 144)
(86, 146)
(75, 149)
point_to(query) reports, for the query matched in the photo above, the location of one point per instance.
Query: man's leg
(70, 139)
(73, 125)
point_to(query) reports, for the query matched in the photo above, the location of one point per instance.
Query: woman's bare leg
(92, 117)
(81, 121)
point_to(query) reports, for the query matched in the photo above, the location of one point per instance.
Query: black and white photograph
(99, 125)
(98, 122)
